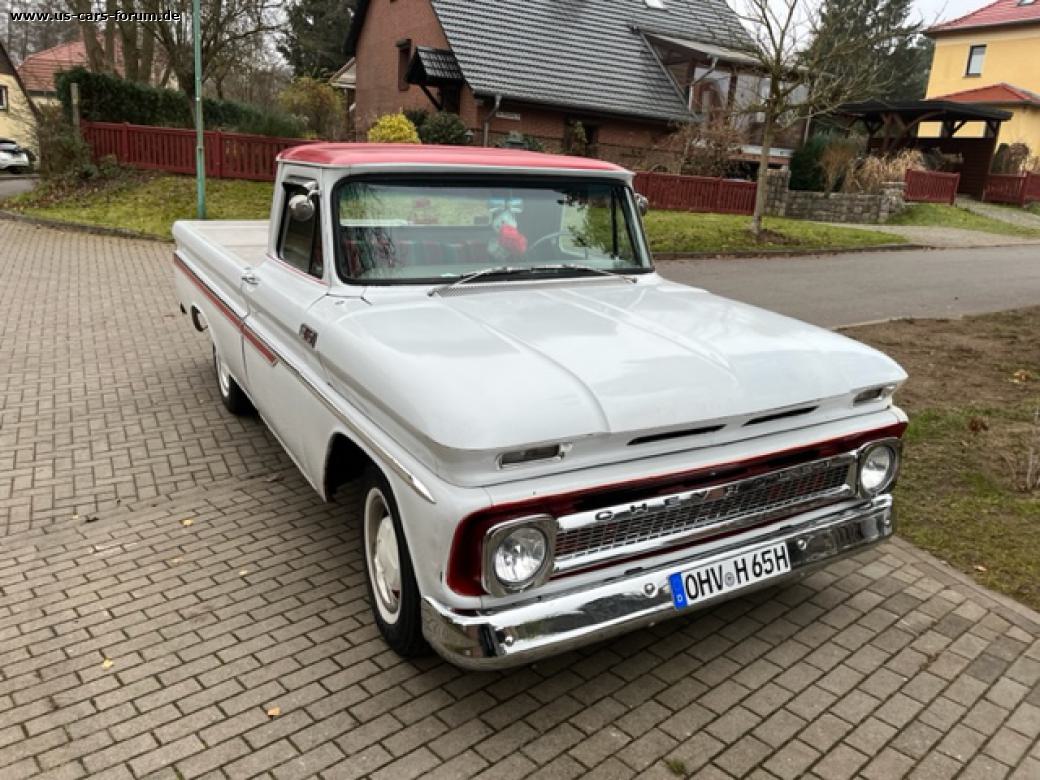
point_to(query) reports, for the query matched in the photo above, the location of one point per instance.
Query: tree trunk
(762, 193)
(146, 64)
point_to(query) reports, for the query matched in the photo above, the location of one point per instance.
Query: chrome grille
(636, 527)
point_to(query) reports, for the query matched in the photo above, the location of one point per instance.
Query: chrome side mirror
(643, 204)
(301, 208)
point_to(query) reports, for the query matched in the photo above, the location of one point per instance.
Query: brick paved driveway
(111, 437)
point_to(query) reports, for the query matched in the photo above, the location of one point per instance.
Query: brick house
(627, 70)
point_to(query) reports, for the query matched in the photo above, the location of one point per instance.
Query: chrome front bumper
(520, 634)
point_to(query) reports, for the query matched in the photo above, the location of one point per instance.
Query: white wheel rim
(383, 556)
(223, 375)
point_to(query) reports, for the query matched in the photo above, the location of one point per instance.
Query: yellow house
(17, 113)
(992, 57)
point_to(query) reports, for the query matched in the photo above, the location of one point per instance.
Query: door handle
(249, 277)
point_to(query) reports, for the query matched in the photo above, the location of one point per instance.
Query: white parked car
(14, 158)
(556, 445)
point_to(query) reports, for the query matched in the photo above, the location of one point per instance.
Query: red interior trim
(464, 574)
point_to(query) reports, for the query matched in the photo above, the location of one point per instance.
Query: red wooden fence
(1019, 189)
(932, 187)
(228, 155)
(697, 193)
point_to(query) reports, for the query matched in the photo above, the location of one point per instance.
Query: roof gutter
(490, 118)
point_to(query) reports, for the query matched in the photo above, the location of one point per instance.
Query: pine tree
(899, 56)
(313, 44)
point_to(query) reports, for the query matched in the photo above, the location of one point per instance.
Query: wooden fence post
(124, 143)
(218, 138)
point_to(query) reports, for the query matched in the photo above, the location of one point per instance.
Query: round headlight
(877, 468)
(520, 555)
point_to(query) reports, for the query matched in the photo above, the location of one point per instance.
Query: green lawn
(1035, 208)
(968, 492)
(151, 204)
(935, 215)
(677, 231)
(146, 204)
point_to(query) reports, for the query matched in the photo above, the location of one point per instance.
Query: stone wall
(833, 207)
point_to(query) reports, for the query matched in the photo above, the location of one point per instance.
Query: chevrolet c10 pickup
(549, 443)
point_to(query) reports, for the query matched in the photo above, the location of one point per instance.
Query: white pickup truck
(556, 445)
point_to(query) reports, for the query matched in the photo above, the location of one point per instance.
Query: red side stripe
(261, 346)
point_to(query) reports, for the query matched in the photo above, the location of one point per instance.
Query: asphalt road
(854, 288)
(10, 185)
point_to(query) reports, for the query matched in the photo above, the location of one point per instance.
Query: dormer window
(976, 57)
(655, 4)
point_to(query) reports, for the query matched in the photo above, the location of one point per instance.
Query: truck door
(280, 346)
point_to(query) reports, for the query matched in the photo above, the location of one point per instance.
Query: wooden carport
(892, 127)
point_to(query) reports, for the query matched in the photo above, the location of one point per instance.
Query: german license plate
(728, 575)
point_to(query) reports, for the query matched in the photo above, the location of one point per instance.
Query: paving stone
(883, 665)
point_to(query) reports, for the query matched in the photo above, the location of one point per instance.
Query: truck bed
(242, 242)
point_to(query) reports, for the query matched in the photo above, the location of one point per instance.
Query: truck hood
(501, 366)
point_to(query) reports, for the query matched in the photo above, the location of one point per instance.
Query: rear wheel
(235, 400)
(391, 579)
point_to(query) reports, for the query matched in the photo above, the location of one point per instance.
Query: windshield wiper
(507, 270)
(588, 268)
(501, 270)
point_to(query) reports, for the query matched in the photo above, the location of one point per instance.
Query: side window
(3, 98)
(299, 244)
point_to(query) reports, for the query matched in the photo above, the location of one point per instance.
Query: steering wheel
(548, 237)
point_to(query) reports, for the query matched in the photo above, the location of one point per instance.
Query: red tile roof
(38, 70)
(999, 94)
(449, 156)
(996, 14)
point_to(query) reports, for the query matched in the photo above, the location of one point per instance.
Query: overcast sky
(934, 10)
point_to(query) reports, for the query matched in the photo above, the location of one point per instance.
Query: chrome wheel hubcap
(223, 375)
(384, 558)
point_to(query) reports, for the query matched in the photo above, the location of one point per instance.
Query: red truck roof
(414, 154)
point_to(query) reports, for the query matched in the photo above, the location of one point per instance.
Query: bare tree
(228, 27)
(795, 63)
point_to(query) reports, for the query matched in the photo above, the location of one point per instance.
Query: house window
(976, 56)
(404, 58)
(3, 98)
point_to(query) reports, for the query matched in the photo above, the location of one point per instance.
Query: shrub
(393, 129)
(63, 152)
(318, 104)
(417, 116)
(872, 173)
(837, 160)
(1011, 158)
(106, 98)
(806, 172)
(446, 129)
(576, 140)
(706, 148)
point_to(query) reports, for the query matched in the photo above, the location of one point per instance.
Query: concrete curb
(19, 177)
(945, 571)
(57, 224)
(678, 257)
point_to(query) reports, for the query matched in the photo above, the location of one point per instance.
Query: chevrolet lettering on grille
(599, 535)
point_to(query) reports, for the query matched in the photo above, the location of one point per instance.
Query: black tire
(402, 629)
(235, 400)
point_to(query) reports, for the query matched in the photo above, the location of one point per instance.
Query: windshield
(428, 231)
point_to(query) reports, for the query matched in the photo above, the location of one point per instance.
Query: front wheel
(391, 579)
(235, 400)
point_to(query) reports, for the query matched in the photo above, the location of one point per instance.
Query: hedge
(106, 98)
